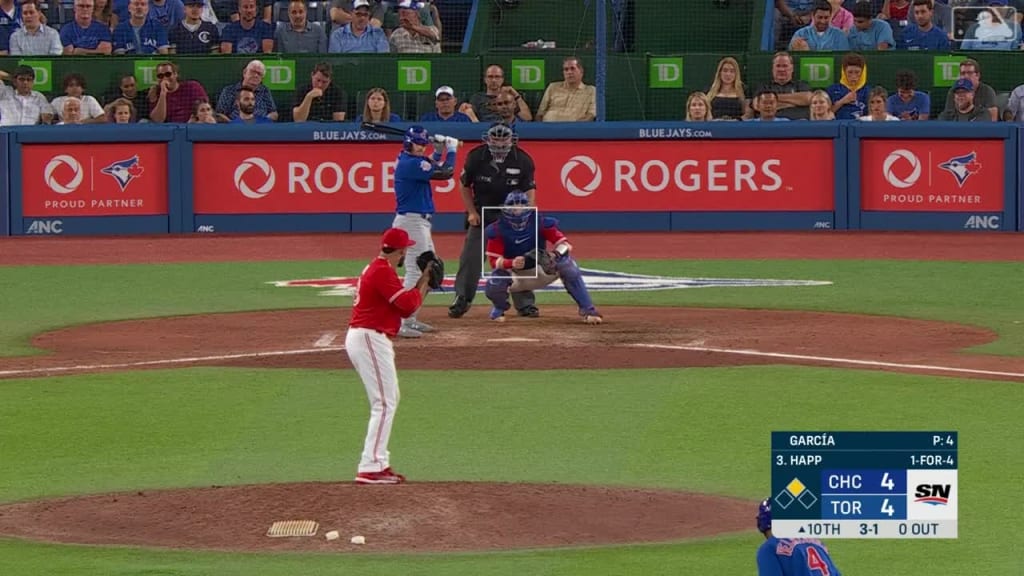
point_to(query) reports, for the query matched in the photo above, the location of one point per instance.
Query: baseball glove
(432, 265)
(540, 258)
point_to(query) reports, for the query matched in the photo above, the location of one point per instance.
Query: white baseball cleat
(420, 326)
(591, 316)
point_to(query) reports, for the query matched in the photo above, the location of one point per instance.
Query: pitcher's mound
(413, 517)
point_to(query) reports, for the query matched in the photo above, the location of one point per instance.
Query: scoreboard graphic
(864, 484)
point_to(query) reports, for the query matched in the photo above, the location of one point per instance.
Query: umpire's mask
(500, 138)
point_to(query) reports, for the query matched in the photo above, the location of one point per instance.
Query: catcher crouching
(517, 250)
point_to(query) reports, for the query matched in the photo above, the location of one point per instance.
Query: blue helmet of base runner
(764, 515)
(416, 135)
(516, 210)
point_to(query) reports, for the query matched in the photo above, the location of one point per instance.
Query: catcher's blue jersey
(794, 557)
(507, 242)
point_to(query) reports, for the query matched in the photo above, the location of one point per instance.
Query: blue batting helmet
(514, 210)
(764, 515)
(416, 135)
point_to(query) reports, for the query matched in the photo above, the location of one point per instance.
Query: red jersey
(381, 302)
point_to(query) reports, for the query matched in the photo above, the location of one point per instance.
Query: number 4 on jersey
(814, 561)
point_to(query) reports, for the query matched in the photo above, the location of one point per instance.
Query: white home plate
(514, 339)
(286, 528)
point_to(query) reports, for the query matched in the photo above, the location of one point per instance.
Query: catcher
(517, 249)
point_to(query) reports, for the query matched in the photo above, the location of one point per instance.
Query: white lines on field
(167, 361)
(514, 339)
(325, 340)
(831, 360)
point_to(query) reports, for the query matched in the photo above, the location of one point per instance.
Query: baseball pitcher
(521, 260)
(790, 556)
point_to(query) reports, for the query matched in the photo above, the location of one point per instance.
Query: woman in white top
(876, 107)
(74, 85)
(821, 106)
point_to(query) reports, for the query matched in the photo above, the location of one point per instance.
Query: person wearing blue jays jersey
(514, 244)
(414, 199)
(790, 556)
(140, 34)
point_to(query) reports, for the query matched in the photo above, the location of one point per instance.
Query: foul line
(829, 359)
(190, 360)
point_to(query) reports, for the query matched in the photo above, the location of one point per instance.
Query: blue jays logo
(962, 167)
(124, 171)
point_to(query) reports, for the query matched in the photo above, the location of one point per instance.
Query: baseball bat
(386, 129)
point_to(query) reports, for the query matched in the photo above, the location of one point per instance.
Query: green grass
(704, 429)
(38, 298)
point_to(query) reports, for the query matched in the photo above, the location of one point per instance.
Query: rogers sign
(571, 176)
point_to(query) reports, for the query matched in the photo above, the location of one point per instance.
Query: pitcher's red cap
(396, 238)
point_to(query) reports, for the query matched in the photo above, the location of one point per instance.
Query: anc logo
(597, 281)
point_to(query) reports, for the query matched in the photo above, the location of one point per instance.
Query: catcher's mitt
(541, 258)
(431, 265)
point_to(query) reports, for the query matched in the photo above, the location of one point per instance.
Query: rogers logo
(595, 176)
(268, 174)
(904, 156)
(53, 165)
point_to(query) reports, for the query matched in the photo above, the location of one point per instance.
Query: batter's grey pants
(471, 265)
(419, 229)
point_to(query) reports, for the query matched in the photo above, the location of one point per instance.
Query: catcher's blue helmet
(416, 135)
(515, 210)
(764, 515)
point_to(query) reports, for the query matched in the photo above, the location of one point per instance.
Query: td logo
(414, 75)
(280, 74)
(528, 74)
(817, 72)
(145, 72)
(946, 70)
(665, 73)
(44, 74)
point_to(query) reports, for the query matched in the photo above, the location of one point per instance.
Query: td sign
(665, 73)
(414, 75)
(528, 74)
(817, 72)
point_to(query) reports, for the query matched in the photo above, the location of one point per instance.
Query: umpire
(491, 171)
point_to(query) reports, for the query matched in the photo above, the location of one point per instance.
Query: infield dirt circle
(449, 516)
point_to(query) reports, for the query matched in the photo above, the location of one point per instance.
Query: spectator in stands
(103, 12)
(378, 108)
(300, 36)
(727, 93)
(793, 96)
(74, 87)
(140, 34)
(964, 108)
(877, 107)
(995, 30)
(10, 20)
(264, 7)
(984, 96)
(193, 35)
(820, 34)
(841, 17)
(569, 100)
(33, 38)
(850, 95)
(821, 106)
(343, 11)
(248, 35)
(1015, 106)
(252, 78)
(923, 34)
(245, 108)
(483, 103)
(71, 112)
(412, 36)
(21, 105)
(869, 33)
(320, 100)
(790, 16)
(505, 105)
(127, 88)
(444, 108)
(359, 35)
(698, 107)
(170, 99)
(121, 111)
(202, 113)
(390, 18)
(83, 35)
(766, 102)
(908, 103)
(167, 12)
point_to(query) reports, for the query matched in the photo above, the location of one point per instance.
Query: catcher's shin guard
(497, 289)
(572, 279)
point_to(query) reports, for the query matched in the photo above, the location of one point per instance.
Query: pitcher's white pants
(419, 229)
(373, 356)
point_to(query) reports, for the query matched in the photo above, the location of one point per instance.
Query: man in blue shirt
(908, 103)
(850, 95)
(869, 33)
(140, 34)
(923, 34)
(9, 22)
(83, 35)
(166, 12)
(790, 556)
(246, 103)
(444, 104)
(248, 35)
(820, 34)
(359, 35)
(766, 102)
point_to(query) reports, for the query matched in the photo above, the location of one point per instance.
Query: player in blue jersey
(790, 556)
(517, 249)
(414, 197)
